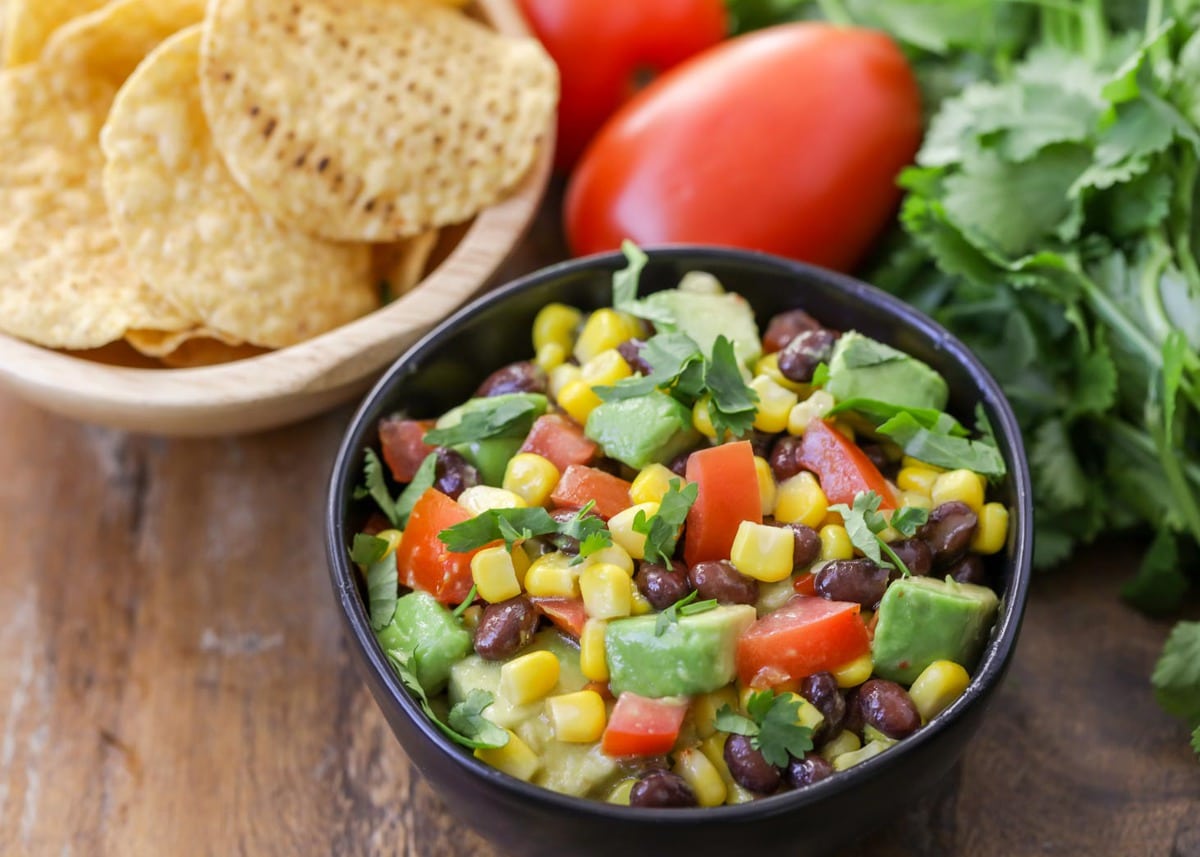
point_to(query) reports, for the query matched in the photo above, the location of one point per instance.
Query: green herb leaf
(943, 449)
(625, 281)
(467, 719)
(698, 607)
(728, 720)
(862, 522)
(772, 726)
(908, 519)
(662, 529)
(878, 413)
(1176, 677)
(383, 584)
(1159, 585)
(671, 615)
(820, 375)
(670, 357)
(422, 481)
(733, 403)
(375, 487)
(405, 665)
(367, 550)
(500, 416)
(590, 530)
(507, 525)
(466, 602)
(1196, 740)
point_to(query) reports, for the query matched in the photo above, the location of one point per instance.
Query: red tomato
(602, 48)
(403, 445)
(422, 560)
(578, 485)
(567, 614)
(841, 467)
(560, 440)
(804, 636)
(642, 727)
(787, 140)
(805, 584)
(727, 495)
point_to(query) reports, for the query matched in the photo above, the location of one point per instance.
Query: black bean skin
(505, 628)
(821, 689)
(785, 327)
(802, 355)
(453, 474)
(748, 767)
(857, 580)
(720, 580)
(887, 706)
(662, 586)
(631, 352)
(524, 376)
(661, 789)
(969, 569)
(915, 554)
(784, 459)
(949, 531)
(678, 464)
(807, 547)
(808, 770)
(761, 443)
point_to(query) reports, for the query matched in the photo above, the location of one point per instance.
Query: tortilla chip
(29, 23)
(401, 265)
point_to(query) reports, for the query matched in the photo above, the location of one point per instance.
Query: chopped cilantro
(625, 280)
(671, 615)
(500, 416)
(469, 732)
(367, 550)
(382, 587)
(466, 602)
(864, 523)
(421, 482)
(675, 361)
(662, 529)
(698, 607)
(514, 525)
(943, 448)
(773, 726)
(467, 719)
(589, 530)
(1176, 677)
(375, 486)
(732, 406)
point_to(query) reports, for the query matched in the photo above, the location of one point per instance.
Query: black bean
(662, 586)
(720, 580)
(887, 706)
(800, 358)
(761, 443)
(678, 464)
(785, 458)
(878, 455)
(748, 767)
(915, 554)
(661, 789)
(949, 531)
(807, 546)
(785, 327)
(453, 474)
(808, 770)
(969, 569)
(505, 628)
(821, 689)
(522, 377)
(631, 352)
(857, 580)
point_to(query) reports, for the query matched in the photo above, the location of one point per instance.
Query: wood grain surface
(173, 678)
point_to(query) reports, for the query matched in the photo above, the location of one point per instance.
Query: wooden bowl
(287, 385)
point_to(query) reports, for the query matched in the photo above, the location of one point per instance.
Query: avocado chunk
(922, 620)
(490, 455)
(704, 317)
(862, 368)
(643, 429)
(422, 625)
(692, 655)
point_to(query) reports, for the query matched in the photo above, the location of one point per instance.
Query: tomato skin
(560, 441)
(600, 47)
(567, 614)
(805, 636)
(727, 495)
(842, 468)
(640, 726)
(579, 484)
(787, 140)
(403, 445)
(423, 561)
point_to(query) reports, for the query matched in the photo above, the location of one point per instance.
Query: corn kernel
(392, 537)
(593, 661)
(579, 400)
(835, 542)
(560, 376)
(832, 519)
(705, 707)
(702, 776)
(775, 404)
(606, 591)
(800, 500)
(621, 791)
(702, 418)
(577, 718)
(613, 555)
(917, 479)
(556, 323)
(844, 742)
(818, 404)
(552, 576)
(528, 678)
(606, 368)
(768, 365)
(807, 714)
(915, 499)
(713, 748)
(494, 575)
(604, 329)
(856, 757)
(763, 552)
(767, 490)
(909, 461)
(620, 526)
(855, 672)
(651, 484)
(938, 685)
(481, 498)
(531, 477)
(992, 531)
(550, 356)
(638, 605)
(515, 758)
(966, 486)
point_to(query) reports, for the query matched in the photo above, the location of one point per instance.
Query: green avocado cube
(704, 317)
(922, 620)
(643, 429)
(424, 627)
(862, 368)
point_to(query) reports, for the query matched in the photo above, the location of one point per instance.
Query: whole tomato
(604, 49)
(787, 140)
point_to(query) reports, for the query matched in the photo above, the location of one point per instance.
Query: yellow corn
(552, 576)
(593, 662)
(550, 356)
(495, 575)
(768, 365)
(515, 758)
(613, 555)
(855, 757)
(767, 490)
(744, 692)
(807, 714)
(606, 590)
(855, 672)
(702, 776)
(965, 486)
(835, 542)
(844, 742)
(556, 323)
(481, 498)
(702, 418)
(528, 678)
(620, 792)
(992, 532)
(705, 707)
(578, 399)
(917, 479)
(639, 606)
(916, 499)
(844, 429)
(651, 484)
(817, 405)
(775, 404)
(800, 500)
(938, 685)
(832, 519)
(909, 461)
(560, 376)
(604, 329)
(392, 537)
(606, 368)
(577, 718)
(531, 477)
(713, 748)
(762, 551)
(620, 526)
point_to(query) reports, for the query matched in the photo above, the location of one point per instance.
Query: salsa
(672, 560)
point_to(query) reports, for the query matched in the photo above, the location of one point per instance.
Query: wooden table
(173, 679)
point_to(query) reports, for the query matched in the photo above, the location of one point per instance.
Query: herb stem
(894, 557)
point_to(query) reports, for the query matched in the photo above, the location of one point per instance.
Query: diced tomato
(560, 440)
(403, 444)
(728, 495)
(804, 636)
(423, 561)
(805, 584)
(567, 614)
(841, 467)
(579, 485)
(642, 727)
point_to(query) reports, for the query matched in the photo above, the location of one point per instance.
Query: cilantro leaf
(467, 719)
(507, 525)
(383, 585)
(671, 615)
(498, 416)
(943, 449)
(625, 280)
(591, 532)
(422, 481)
(472, 593)
(864, 523)
(375, 486)
(367, 550)
(698, 607)
(879, 412)
(662, 529)
(772, 725)
(732, 406)
(1176, 677)
(908, 519)
(728, 720)
(671, 356)
(1159, 585)
(1196, 740)
(405, 665)
(820, 375)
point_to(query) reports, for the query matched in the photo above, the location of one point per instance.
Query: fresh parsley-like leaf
(375, 486)
(864, 523)
(820, 375)
(625, 281)
(1159, 585)
(367, 550)
(772, 727)
(1176, 677)
(670, 357)
(733, 403)
(908, 519)
(507, 525)
(405, 665)
(1196, 740)
(728, 720)
(466, 602)
(467, 719)
(879, 412)
(671, 615)
(589, 530)
(422, 481)
(943, 449)
(698, 607)
(383, 585)
(500, 416)
(662, 529)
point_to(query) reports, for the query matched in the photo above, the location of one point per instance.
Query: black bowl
(445, 367)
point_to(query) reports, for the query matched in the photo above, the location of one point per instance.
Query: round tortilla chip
(29, 23)
(198, 346)
(65, 281)
(159, 343)
(371, 120)
(195, 235)
(401, 265)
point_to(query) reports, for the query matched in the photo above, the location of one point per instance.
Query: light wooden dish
(287, 385)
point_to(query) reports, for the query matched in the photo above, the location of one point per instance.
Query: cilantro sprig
(467, 725)
(515, 525)
(733, 403)
(662, 529)
(375, 486)
(773, 726)
(366, 550)
(500, 416)
(864, 523)
(382, 591)
(1176, 677)
(685, 606)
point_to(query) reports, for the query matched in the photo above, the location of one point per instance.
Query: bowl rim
(997, 653)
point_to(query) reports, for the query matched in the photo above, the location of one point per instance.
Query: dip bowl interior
(447, 365)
